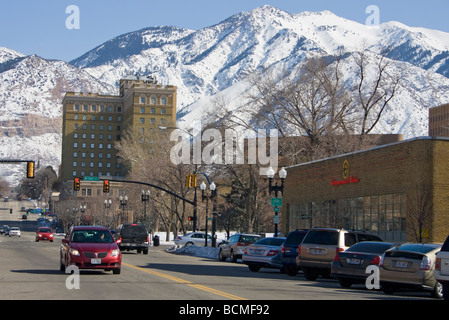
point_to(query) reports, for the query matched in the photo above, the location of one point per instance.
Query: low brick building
(384, 190)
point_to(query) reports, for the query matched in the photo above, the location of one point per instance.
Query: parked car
(90, 247)
(349, 266)
(5, 230)
(132, 237)
(194, 238)
(289, 251)
(234, 246)
(44, 233)
(320, 245)
(442, 268)
(14, 231)
(264, 253)
(410, 266)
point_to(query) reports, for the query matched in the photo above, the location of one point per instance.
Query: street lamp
(123, 203)
(276, 202)
(213, 197)
(145, 198)
(107, 206)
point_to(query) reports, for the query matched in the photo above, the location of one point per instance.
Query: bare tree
(373, 94)
(420, 211)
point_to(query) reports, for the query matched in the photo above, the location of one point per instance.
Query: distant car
(90, 247)
(289, 251)
(44, 233)
(14, 231)
(5, 229)
(132, 236)
(349, 266)
(320, 245)
(194, 238)
(233, 248)
(264, 253)
(410, 266)
(442, 268)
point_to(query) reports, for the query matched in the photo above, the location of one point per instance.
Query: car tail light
(425, 263)
(283, 249)
(299, 250)
(242, 244)
(272, 253)
(438, 264)
(337, 250)
(375, 261)
(119, 240)
(337, 258)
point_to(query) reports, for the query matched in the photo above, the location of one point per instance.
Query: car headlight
(115, 252)
(74, 252)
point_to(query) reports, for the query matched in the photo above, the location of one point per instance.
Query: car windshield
(371, 247)
(295, 237)
(133, 230)
(47, 230)
(417, 247)
(271, 241)
(249, 239)
(326, 237)
(92, 236)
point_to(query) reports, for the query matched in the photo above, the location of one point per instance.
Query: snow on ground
(204, 252)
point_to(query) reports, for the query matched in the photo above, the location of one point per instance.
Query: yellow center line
(189, 283)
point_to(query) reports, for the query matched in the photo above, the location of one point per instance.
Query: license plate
(317, 251)
(401, 264)
(95, 261)
(353, 261)
(257, 251)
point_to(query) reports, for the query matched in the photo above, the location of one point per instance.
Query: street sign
(276, 202)
(276, 219)
(91, 179)
(276, 209)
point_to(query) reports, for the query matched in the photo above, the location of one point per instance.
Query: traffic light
(77, 184)
(30, 169)
(188, 181)
(190, 218)
(191, 181)
(106, 186)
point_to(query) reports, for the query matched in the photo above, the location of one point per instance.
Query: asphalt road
(30, 270)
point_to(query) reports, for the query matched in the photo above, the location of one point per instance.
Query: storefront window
(383, 215)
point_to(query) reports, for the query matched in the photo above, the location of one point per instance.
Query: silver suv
(320, 245)
(233, 248)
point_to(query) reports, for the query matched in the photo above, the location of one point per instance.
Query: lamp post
(83, 211)
(107, 206)
(145, 198)
(276, 202)
(123, 203)
(213, 197)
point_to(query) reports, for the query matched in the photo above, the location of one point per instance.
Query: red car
(90, 247)
(44, 233)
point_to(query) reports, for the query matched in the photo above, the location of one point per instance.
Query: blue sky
(39, 27)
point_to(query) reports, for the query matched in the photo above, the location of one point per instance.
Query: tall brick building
(380, 190)
(93, 123)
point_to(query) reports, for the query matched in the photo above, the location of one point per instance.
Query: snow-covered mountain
(214, 61)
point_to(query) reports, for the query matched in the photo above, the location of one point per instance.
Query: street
(30, 270)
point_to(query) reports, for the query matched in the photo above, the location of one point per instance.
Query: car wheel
(221, 256)
(437, 291)
(116, 271)
(189, 244)
(310, 274)
(233, 257)
(254, 268)
(291, 271)
(345, 283)
(145, 251)
(387, 289)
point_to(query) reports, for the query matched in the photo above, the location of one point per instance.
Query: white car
(14, 231)
(441, 271)
(194, 238)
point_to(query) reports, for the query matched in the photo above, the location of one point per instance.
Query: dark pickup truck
(132, 237)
